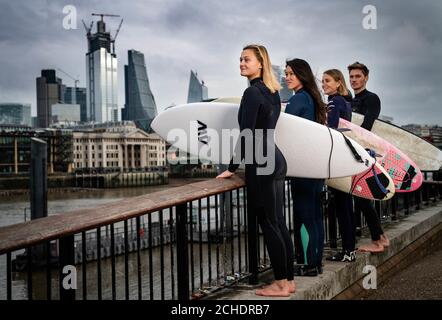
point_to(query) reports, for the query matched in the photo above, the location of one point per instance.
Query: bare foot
(374, 247)
(292, 286)
(384, 240)
(276, 289)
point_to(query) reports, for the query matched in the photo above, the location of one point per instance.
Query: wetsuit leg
(272, 222)
(308, 220)
(371, 217)
(290, 251)
(297, 223)
(346, 219)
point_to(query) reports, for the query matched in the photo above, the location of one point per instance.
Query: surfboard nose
(154, 124)
(157, 123)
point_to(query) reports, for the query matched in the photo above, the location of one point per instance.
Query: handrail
(29, 233)
(432, 182)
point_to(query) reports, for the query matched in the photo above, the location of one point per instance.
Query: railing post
(358, 221)
(66, 258)
(181, 252)
(394, 208)
(332, 226)
(406, 204)
(434, 189)
(252, 241)
(417, 194)
(378, 207)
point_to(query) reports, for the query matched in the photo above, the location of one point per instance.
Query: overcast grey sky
(404, 53)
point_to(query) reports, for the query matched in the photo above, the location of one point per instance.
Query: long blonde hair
(338, 77)
(268, 77)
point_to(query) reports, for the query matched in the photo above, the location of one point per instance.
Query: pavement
(409, 238)
(421, 280)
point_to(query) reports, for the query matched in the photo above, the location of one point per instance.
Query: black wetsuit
(339, 107)
(306, 193)
(260, 109)
(368, 104)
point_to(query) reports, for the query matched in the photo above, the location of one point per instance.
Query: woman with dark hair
(307, 209)
(259, 111)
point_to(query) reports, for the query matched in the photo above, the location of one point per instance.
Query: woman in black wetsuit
(339, 106)
(307, 210)
(258, 113)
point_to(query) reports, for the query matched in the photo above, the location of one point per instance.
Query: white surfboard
(310, 149)
(426, 156)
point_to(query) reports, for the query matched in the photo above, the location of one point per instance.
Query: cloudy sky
(404, 53)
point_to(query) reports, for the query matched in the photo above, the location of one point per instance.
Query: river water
(13, 209)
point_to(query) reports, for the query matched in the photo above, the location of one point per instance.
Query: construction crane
(104, 15)
(88, 30)
(75, 80)
(115, 37)
(118, 29)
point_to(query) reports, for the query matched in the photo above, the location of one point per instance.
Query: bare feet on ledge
(279, 288)
(373, 247)
(292, 286)
(384, 240)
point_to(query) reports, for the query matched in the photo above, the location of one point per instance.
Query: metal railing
(181, 243)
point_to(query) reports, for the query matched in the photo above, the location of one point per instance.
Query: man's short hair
(359, 66)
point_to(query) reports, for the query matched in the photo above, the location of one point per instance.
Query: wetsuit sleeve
(297, 105)
(373, 109)
(332, 114)
(250, 105)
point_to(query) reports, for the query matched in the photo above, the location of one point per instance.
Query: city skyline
(176, 37)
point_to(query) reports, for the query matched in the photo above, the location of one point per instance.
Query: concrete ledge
(337, 276)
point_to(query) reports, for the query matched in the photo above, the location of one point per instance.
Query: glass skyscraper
(285, 93)
(140, 105)
(76, 95)
(15, 114)
(197, 90)
(101, 77)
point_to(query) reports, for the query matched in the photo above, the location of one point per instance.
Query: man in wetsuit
(368, 104)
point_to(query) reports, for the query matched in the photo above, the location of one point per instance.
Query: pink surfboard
(373, 184)
(405, 174)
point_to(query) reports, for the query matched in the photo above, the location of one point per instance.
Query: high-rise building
(49, 91)
(140, 104)
(101, 77)
(15, 114)
(197, 90)
(66, 113)
(76, 95)
(285, 93)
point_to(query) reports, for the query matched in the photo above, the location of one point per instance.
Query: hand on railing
(225, 174)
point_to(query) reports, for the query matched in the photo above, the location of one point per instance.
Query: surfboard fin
(343, 129)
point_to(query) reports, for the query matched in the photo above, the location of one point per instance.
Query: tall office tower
(140, 104)
(285, 93)
(197, 90)
(101, 77)
(49, 91)
(76, 95)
